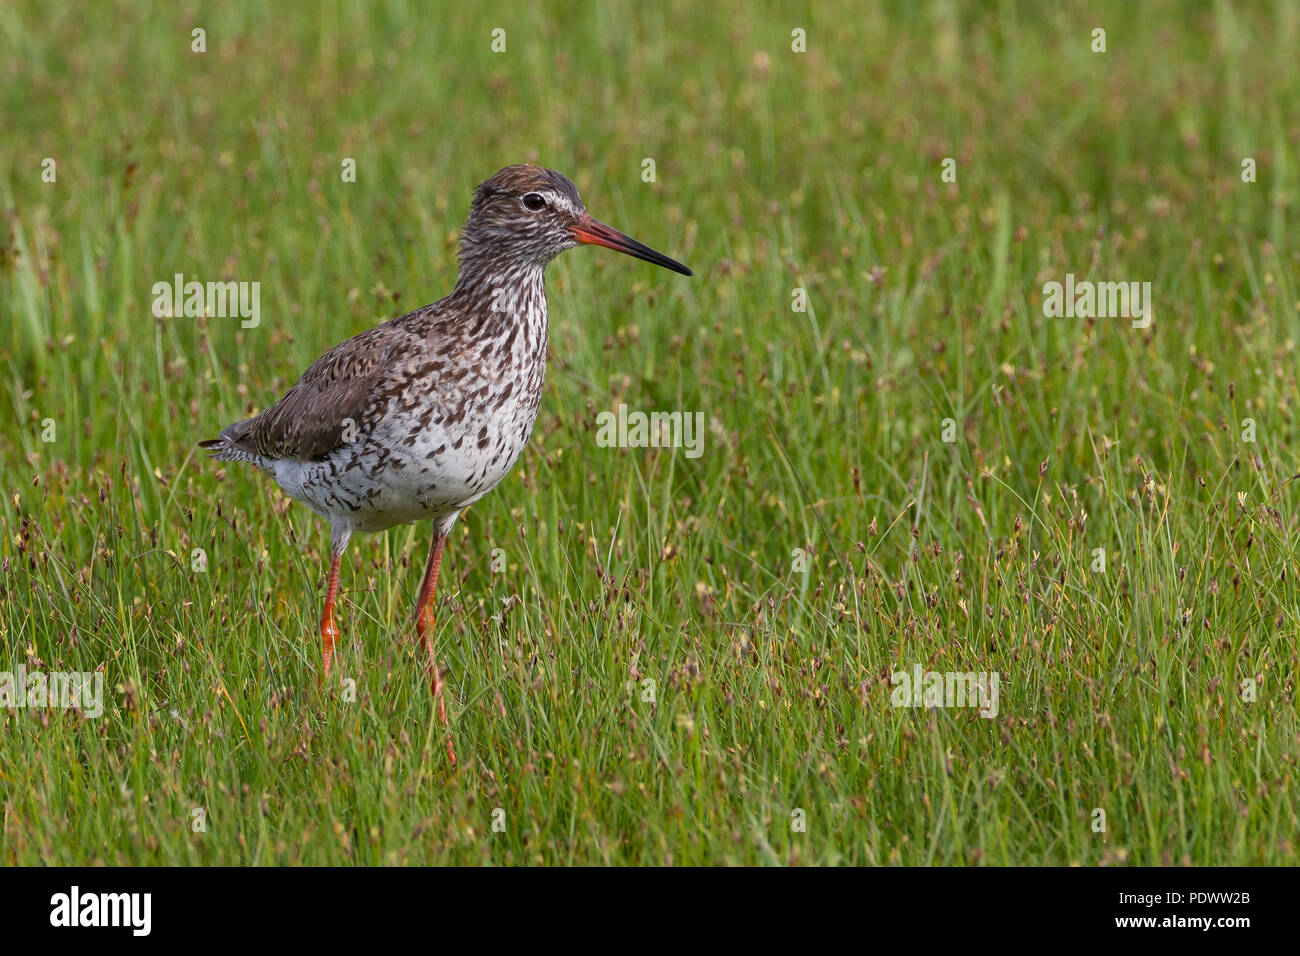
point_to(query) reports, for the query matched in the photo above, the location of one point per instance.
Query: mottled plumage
(423, 415)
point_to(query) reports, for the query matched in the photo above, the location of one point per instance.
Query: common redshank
(423, 415)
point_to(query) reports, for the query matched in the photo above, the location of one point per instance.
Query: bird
(421, 416)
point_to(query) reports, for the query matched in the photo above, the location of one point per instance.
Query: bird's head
(529, 215)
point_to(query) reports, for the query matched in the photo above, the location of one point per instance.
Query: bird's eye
(534, 201)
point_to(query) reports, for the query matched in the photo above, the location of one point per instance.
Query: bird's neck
(502, 287)
(501, 298)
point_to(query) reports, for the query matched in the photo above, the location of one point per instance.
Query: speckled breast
(438, 445)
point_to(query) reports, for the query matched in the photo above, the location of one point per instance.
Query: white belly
(404, 472)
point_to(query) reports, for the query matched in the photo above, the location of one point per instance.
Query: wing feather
(342, 386)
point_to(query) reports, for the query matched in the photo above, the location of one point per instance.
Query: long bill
(595, 233)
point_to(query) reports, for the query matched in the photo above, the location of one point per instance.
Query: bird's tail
(227, 447)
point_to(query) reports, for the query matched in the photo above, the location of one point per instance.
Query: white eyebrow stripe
(556, 199)
(562, 201)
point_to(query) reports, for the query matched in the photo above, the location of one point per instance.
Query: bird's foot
(436, 673)
(329, 633)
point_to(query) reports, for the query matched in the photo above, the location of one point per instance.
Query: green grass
(1120, 691)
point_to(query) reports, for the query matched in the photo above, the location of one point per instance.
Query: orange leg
(424, 629)
(329, 632)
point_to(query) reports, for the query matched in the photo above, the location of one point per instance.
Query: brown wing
(338, 388)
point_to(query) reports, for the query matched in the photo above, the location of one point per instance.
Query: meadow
(906, 466)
